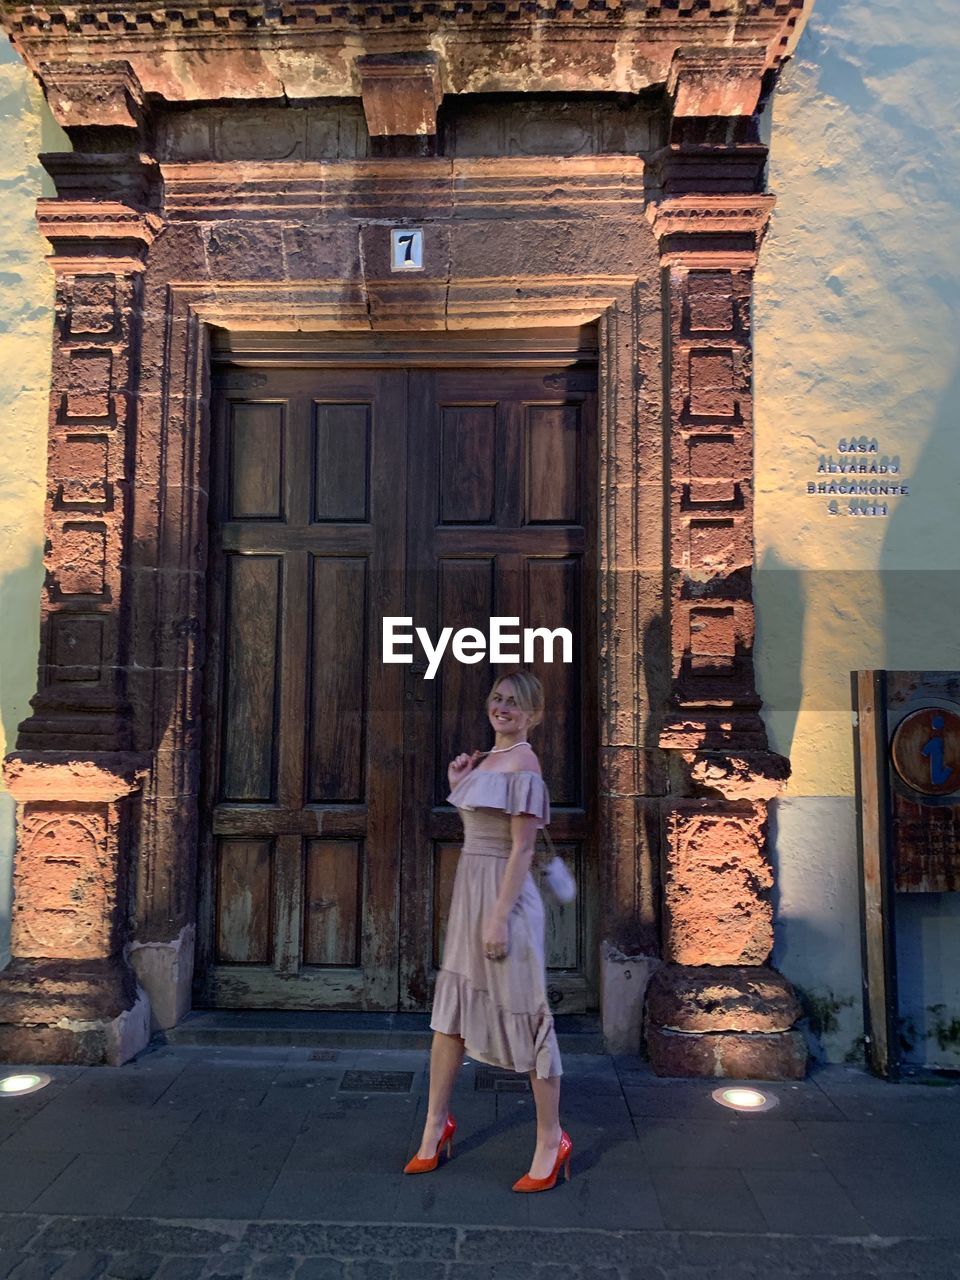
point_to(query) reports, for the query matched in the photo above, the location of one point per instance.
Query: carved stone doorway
(339, 496)
(594, 165)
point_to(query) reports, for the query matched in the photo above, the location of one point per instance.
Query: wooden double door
(340, 496)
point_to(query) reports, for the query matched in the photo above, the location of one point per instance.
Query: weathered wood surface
(302, 754)
(501, 522)
(329, 843)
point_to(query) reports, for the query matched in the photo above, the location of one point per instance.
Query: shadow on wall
(927, 924)
(780, 631)
(20, 594)
(26, 317)
(20, 609)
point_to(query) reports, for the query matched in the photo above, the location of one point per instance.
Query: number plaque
(406, 249)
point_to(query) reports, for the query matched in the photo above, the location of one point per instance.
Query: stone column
(715, 1008)
(69, 994)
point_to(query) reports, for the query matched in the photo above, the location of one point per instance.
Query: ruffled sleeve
(522, 791)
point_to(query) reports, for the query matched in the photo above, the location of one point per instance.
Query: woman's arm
(522, 828)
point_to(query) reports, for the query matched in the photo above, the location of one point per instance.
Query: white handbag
(557, 874)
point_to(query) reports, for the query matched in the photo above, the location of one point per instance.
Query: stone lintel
(401, 94)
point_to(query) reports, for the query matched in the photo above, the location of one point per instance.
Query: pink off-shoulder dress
(499, 1007)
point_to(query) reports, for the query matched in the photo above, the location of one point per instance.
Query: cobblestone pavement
(33, 1247)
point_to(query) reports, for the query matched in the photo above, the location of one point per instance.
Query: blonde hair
(527, 690)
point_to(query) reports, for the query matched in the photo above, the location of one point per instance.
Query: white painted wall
(857, 333)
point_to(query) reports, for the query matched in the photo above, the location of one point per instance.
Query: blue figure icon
(933, 750)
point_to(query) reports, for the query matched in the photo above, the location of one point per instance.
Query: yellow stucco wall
(856, 334)
(26, 315)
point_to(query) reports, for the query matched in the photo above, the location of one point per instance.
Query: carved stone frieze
(144, 16)
(290, 51)
(438, 190)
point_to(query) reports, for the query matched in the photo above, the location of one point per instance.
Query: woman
(490, 999)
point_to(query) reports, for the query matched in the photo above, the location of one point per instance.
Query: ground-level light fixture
(739, 1098)
(16, 1086)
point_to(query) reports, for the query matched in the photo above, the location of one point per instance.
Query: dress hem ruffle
(491, 1034)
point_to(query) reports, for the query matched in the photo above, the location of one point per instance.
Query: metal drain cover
(377, 1081)
(324, 1055)
(491, 1079)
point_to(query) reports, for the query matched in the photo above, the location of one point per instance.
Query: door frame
(186, 322)
(234, 986)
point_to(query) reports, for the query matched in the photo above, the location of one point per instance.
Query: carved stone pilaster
(717, 876)
(69, 989)
(97, 260)
(708, 248)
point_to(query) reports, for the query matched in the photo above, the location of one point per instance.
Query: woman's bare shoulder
(525, 761)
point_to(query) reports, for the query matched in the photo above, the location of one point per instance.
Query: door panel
(301, 853)
(339, 496)
(500, 521)
(336, 728)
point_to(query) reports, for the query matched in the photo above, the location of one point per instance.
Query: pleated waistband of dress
(485, 847)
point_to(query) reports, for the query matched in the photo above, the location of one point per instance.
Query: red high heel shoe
(416, 1165)
(526, 1183)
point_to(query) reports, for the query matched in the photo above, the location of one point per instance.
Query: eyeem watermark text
(470, 645)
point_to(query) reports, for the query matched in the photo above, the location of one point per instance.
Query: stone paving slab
(37, 1247)
(193, 1162)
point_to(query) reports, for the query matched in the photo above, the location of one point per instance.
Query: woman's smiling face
(503, 712)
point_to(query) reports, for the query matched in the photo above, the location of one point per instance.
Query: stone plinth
(69, 994)
(722, 998)
(728, 1055)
